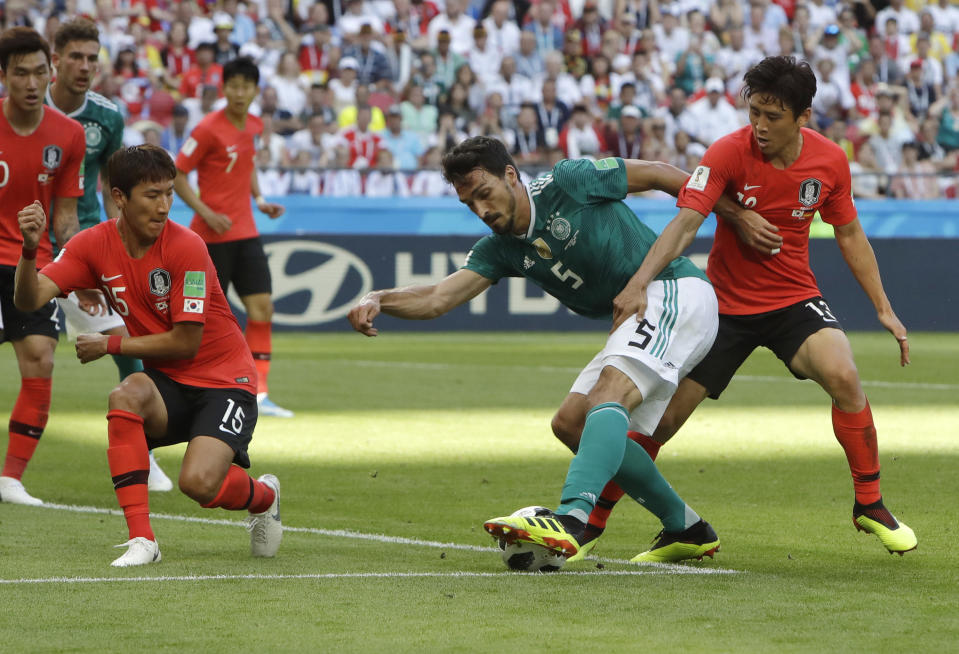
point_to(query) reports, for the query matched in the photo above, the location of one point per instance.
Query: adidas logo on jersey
(528, 263)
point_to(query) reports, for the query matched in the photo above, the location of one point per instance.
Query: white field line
(764, 379)
(648, 569)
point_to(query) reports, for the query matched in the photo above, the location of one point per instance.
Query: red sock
(258, 337)
(857, 435)
(130, 468)
(612, 492)
(27, 420)
(241, 492)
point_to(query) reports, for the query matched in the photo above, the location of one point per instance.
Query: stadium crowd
(362, 97)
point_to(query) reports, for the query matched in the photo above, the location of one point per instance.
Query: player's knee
(130, 395)
(844, 386)
(198, 486)
(567, 429)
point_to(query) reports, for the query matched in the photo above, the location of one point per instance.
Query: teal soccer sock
(600, 455)
(642, 481)
(127, 365)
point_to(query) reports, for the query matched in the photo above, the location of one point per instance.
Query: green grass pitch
(403, 444)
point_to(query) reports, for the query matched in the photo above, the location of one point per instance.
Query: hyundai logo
(313, 282)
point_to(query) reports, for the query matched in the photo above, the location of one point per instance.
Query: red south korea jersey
(173, 282)
(223, 155)
(47, 163)
(746, 281)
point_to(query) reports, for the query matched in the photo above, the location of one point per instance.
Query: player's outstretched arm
(417, 302)
(676, 237)
(181, 342)
(644, 175)
(32, 290)
(861, 259)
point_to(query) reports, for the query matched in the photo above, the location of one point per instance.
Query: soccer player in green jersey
(75, 57)
(570, 233)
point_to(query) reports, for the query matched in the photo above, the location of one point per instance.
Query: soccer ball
(529, 557)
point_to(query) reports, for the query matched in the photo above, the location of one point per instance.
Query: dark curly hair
(790, 81)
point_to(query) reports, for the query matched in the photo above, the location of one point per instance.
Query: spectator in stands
(868, 179)
(888, 70)
(362, 141)
(176, 132)
(177, 57)
(626, 98)
(344, 84)
(341, 180)
(549, 36)
(288, 85)
(429, 181)
(863, 88)
(476, 89)
(312, 146)
(734, 58)
(675, 115)
(830, 100)
(483, 57)
(529, 61)
(672, 39)
(316, 52)
(458, 24)
(526, 141)
(713, 115)
(405, 145)
(348, 115)
(759, 35)
(596, 86)
(504, 33)
(456, 101)
(413, 19)
(357, 15)
(566, 88)
(590, 27)
(626, 139)
(447, 135)
(514, 89)
(273, 145)
(692, 66)
(886, 145)
(698, 31)
(384, 181)
(932, 69)
(551, 113)
(427, 79)
(916, 180)
(418, 117)
(946, 113)
(132, 82)
(244, 29)
(580, 139)
(929, 148)
(945, 15)
(199, 26)
(920, 93)
(373, 66)
(319, 100)
(224, 47)
(907, 20)
(274, 182)
(205, 72)
(447, 60)
(837, 132)
(490, 121)
(724, 15)
(821, 14)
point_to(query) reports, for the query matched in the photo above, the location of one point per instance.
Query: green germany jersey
(103, 126)
(583, 244)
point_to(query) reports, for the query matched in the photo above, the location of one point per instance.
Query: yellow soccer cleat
(693, 543)
(584, 551)
(545, 530)
(876, 519)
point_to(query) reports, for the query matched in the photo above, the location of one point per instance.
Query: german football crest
(94, 135)
(559, 228)
(809, 191)
(159, 282)
(52, 156)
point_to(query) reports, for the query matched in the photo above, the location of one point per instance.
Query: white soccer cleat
(13, 492)
(267, 407)
(266, 530)
(158, 482)
(140, 551)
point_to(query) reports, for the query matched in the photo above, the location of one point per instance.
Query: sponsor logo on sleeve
(189, 146)
(608, 163)
(192, 305)
(194, 283)
(697, 181)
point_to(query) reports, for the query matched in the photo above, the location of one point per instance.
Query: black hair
(482, 152)
(789, 81)
(243, 67)
(21, 41)
(128, 167)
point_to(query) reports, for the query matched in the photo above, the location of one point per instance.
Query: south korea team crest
(159, 282)
(809, 191)
(52, 156)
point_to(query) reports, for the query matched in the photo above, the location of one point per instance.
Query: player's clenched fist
(361, 316)
(91, 347)
(33, 222)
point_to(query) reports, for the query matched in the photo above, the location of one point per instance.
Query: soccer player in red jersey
(221, 150)
(787, 173)
(41, 158)
(199, 381)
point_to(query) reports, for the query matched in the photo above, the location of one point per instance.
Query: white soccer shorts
(80, 322)
(677, 330)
